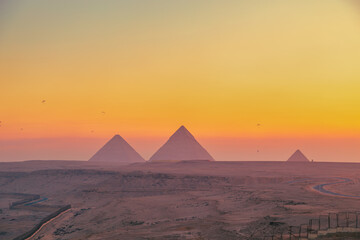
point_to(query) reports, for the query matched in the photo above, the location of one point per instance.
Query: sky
(252, 80)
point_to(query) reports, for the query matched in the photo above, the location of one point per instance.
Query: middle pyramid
(181, 146)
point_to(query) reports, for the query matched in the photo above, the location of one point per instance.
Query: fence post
(307, 232)
(357, 219)
(329, 224)
(337, 220)
(290, 232)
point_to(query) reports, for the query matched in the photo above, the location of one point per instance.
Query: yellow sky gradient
(218, 67)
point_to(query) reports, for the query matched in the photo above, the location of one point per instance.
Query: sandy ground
(186, 200)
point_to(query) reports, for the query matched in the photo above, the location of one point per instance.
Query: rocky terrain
(185, 200)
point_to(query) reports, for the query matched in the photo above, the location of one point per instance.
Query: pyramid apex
(182, 127)
(116, 137)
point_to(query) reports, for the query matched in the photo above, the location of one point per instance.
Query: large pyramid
(117, 150)
(181, 146)
(298, 156)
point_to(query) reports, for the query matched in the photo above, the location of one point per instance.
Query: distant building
(117, 150)
(298, 156)
(181, 146)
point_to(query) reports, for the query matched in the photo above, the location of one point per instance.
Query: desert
(182, 200)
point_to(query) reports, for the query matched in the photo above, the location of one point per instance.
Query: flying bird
(102, 112)
(258, 124)
(43, 101)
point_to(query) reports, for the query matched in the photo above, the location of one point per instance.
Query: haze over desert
(180, 193)
(174, 120)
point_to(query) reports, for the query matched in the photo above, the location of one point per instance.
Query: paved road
(32, 203)
(321, 187)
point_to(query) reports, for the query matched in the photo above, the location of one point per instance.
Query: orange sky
(142, 69)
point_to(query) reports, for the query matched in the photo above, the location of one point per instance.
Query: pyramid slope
(298, 156)
(181, 146)
(117, 150)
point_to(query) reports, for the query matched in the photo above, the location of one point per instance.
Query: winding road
(321, 187)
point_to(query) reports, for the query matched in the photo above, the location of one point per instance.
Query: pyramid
(298, 156)
(181, 146)
(117, 150)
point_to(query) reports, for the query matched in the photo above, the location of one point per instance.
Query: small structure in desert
(117, 150)
(181, 146)
(298, 156)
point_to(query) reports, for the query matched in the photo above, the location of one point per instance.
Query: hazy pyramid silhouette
(181, 146)
(298, 156)
(117, 150)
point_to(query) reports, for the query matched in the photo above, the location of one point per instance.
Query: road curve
(320, 188)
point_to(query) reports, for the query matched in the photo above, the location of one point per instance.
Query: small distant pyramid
(298, 156)
(181, 146)
(117, 150)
